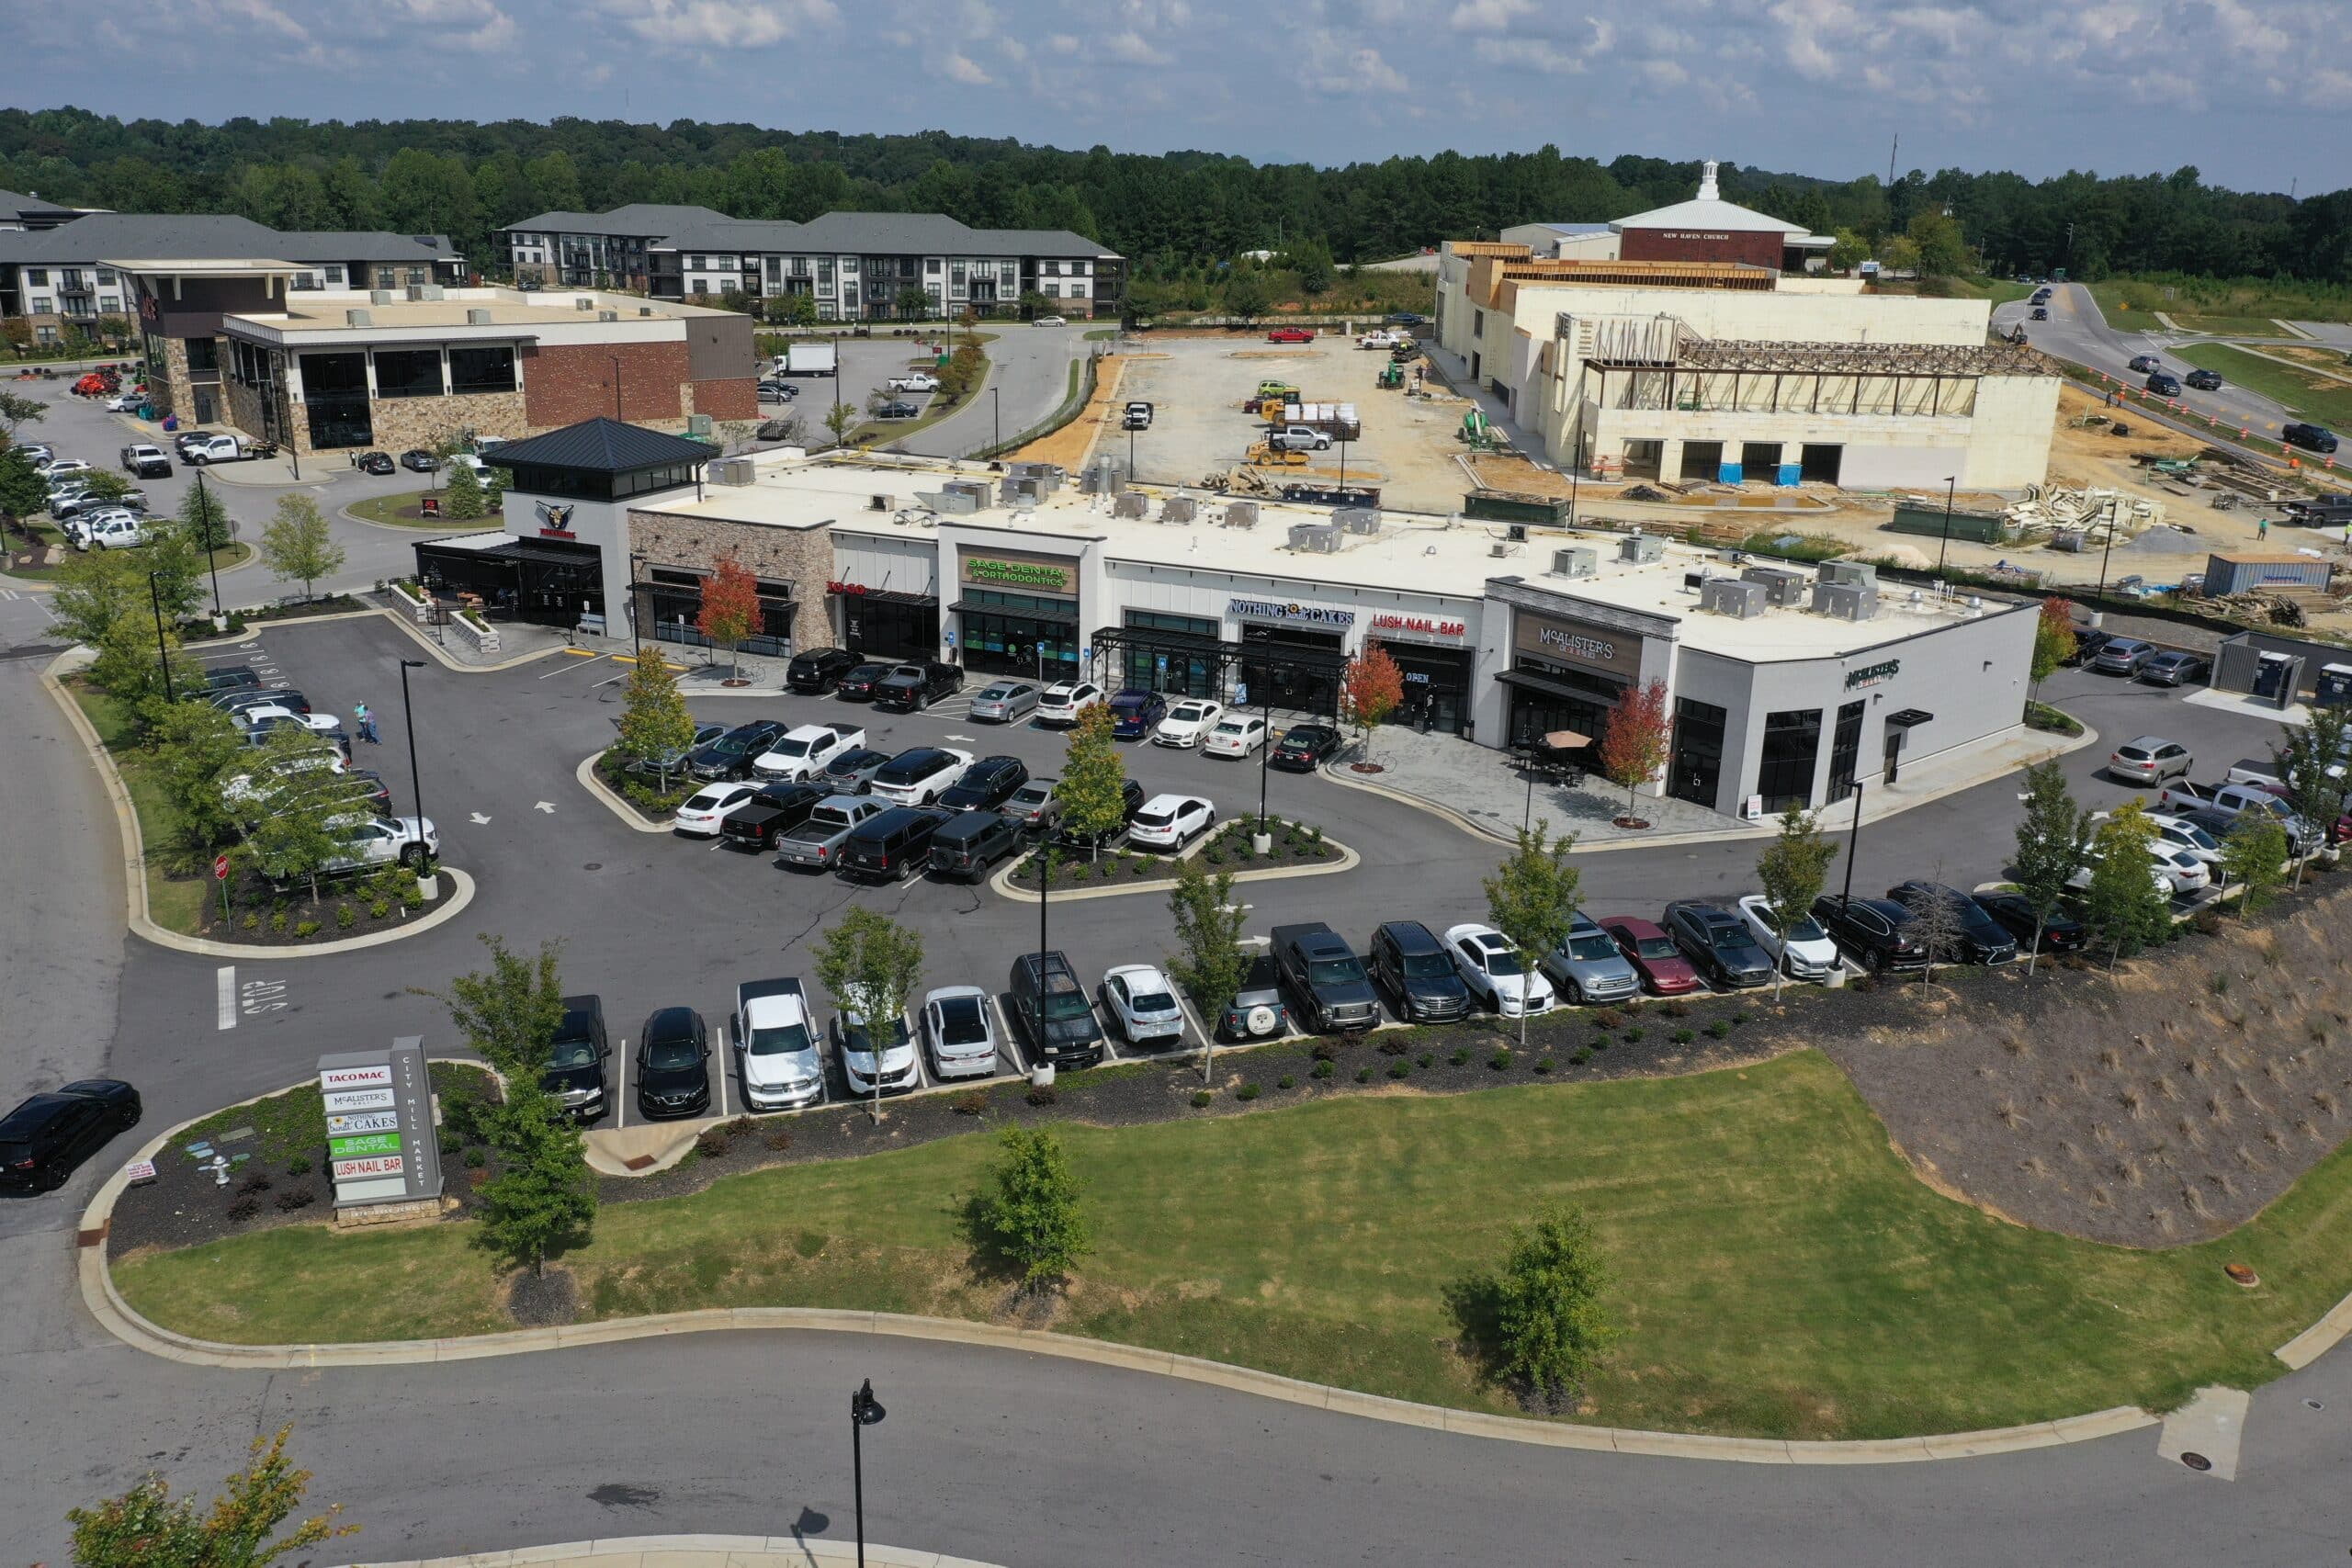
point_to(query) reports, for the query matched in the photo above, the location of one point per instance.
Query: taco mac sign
(382, 1146)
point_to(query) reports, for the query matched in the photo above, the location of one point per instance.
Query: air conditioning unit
(1019, 490)
(1179, 509)
(1241, 514)
(1860, 574)
(608, 315)
(415, 291)
(881, 504)
(698, 425)
(1358, 519)
(733, 471)
(1846, 601)
(1516, 533)
(1640, 548)
(1577, 560)
(1782, 586)
(583, 303)
(1732, 596)
(477, 318)
(1317, 536)
(357, 319)
(1501, 548)
(1131, 503)
(379, 297)
(644, 310)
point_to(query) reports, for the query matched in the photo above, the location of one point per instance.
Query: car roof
(1135, 971)
(1634, 925)
(1410, 936)
(1170, 801)
(2150, 741)
(672, 1022)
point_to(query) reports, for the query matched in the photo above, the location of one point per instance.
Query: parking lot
(1196, 386)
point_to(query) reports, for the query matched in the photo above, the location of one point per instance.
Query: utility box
(1515, 506)
(1732, 596)
(1641, 550)
(1575, 561)
(1782, 586)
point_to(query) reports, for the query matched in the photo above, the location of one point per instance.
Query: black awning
(1906, 717)
(546, 552)
(1052, 614)
(887, 596)
(1157, 639)
(1528, 681)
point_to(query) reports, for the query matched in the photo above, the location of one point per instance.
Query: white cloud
(958, 67)
(1062, 43)
(1490, 15)
(692, 26)
(1129, 48)
(1338, 71)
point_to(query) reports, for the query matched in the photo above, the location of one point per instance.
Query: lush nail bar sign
(382, 1146)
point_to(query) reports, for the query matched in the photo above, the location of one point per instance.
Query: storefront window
(482, 370)
(407, 372)
(1019, 633)
(1697, 772)
(1293, 668)
(1437, 686)
(1169, 665)
(1552, 697)
(1792, 747)
(1845, 751)
(334, 397)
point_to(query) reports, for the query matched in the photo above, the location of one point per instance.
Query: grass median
(1779, 1271)
(2312, 393)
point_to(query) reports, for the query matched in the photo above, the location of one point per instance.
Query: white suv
(1065, 700)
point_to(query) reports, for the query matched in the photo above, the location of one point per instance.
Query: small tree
(1791, 871)
(206, 518)
(17, 411)
(1246, 294)
(1935, 925)
(1312, 262)
(1530, 899)
(1549, 1322)
(2312, 763)
(1370, 690)
(1211, 965)
(1637, 739)
(509, 1014)
(22, 490)
(296, 545)
(731, 608)
(145, 1527)
(877, 400)
(1092, 788)
(2254, 855)
(1035, 304)
(465, 501)
(2052, 838)
(107, 485)
(838, 420)
(2127, 902)
(794, 310)
(292, 835)
(196, 745)
(914, 302)
(656, 728)
(1034, 1211)
(2053, 640)
(869, 964)
(497, 482)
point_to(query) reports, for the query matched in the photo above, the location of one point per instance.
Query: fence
(1071, 406)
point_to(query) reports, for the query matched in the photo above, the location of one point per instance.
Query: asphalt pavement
(2078, 330)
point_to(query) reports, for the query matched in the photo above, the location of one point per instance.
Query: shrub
(1324, 1050)
(1581, 1057)
(1863, 983)
(1678, 1008)
(1633, 1035)
(251, 923)
(1597, 1042)
(1247, 1091)
(1324, 1069)
(1737, 1018)
(1425, 1058)
(1500, 1060)
(1609, 1018)
(1395, 1045)
(1043, 1094)
(1400, 1068)
(278, 920)
(257, 1182)
(779, 1140)
(306, 928)
(971, 1102)
(1364, 1075)
(475, 1157)
(1288, 1080)
(1201, 1098)
(299, 1165)
(297, 1198)
(379, 908)
(450, 1142)
(345, 917)
(1720, 1029)
(1544, 1064)
(245, 1208)
(1684, 1036)
(1460, 1055)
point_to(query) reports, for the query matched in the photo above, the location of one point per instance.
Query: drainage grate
(2314, 1404)
(594, 865)
(2197, 1461)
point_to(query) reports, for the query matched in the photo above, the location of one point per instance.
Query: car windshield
(1334, 972)
(708, 799)
(2197, 836)
(791, 748)
(1802, 929)
(1502, 960)
(1152, 818)
(961, 1021)
(1592, 949)
(1189, 712)
(779, 1041)
(730, 745)
(1033, 794)
(665, 1055)
(1427, 966)
(1065, 1003)
(1654, 947)
(572, 1054)
(1231, 727)
(996, 693)
(1729, 936)
(1129, 704)
(855, 1036)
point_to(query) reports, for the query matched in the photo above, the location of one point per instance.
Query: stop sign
(220, 868)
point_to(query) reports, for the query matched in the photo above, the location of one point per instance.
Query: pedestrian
(2262, 530)
(367, 726)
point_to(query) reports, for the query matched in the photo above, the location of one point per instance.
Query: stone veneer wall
(242, 407)
(802, 556)
(169, 391)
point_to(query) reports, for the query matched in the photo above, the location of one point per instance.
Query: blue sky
(1815, 86)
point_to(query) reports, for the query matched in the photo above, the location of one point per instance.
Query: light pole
(211, 548)
(415, 789)
(162, 653)
(616, 387)
(1853, 842)
(1265, 753)
(1951, 483)
(864, 1411)
(996, 411)
(636, 623)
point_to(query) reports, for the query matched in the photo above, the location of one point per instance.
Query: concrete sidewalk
(696, 1552)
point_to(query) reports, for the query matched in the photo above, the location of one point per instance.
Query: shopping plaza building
(1787, 684)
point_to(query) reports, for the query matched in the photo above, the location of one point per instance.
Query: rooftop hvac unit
(962, 497)
(477, 318)
(1179, 509)
(1358, 519)
(881, 504)
(433, 291)
(1050, 476)
(415, 291)
(1846, 601)
(1516, 533)
(584, 302)
(357, 319)
(1781, 586)
(1018, 491)
(733, 471)
(1241, 514)
(1640, 548)
(1732, 596)
(1320, 536)
(1693, 581)
(644, 310)
(1860, 574)
(379, 297)
(698, 425)
(1577, 560)
(1131, 503)
(608, 315)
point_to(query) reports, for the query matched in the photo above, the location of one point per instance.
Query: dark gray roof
(739, 234)
(359, 245)
(15, 206)
(880, 234)
(186, 236)
(653, 218)
(604, 446)
(1039, 243)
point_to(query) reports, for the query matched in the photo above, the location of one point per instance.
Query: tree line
(466, 179)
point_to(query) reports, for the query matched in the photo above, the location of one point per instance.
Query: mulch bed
(1295, 847)
(255, 912)
(612, 774)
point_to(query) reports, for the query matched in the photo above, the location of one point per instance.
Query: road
(987, 1454)
(1028, 376)
(2078, 330)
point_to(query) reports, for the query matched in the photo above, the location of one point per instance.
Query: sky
(1808, 86)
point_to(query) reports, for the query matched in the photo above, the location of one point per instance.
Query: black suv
(45, 1138)
(731, 755)
(2060, 933)
(1974, 936)
(1876, 932)
(1053, 1009)
(1324, 974)
(2204, 381)
(814, 672)
(987, 785)
(1131, 796)
(232, 678)
(2164, 385)
(673, 1065)
(2310, 437)
(575, 1072)
(972, 841)
(893, 846)
(856, 683)
(1718, 945)
(912, 687)
(1416, 973)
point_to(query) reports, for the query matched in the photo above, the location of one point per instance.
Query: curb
(586, 773)
(1001, 883)
(139, 919)
(700, 1551)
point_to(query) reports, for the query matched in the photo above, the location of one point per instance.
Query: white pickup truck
(776, 1046)
(109, 531)
(803, 752)
(218, 448)
(1380, 337)
(914, 381)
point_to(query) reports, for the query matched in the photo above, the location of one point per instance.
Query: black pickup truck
(911, 687)
(769, 815)
(1326, 978)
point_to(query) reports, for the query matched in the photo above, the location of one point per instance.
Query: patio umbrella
(1567, 739)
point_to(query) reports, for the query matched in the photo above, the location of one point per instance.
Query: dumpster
(1515, 506)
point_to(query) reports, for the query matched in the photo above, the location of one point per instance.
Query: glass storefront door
(1437, 687)
(1019, 645)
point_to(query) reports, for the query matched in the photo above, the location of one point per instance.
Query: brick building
(1705, 229)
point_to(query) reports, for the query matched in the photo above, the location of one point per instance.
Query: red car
(1664, 971)
(1291, 334)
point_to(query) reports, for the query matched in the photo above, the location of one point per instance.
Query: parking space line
(225, 977)
(722, 1086)
(620, 1093)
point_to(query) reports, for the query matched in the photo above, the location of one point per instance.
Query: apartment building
(597, 249)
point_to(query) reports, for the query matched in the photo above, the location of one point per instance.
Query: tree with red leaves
(1638, 739)
(731, 608)
(1370, 691)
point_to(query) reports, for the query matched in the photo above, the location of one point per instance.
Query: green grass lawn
(401, 511)
(2230, 326)
(176, 903)
(2245, 304)
(1778, 1269)
(2329, 403)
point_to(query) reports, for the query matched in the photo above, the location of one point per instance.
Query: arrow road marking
(956, 738)
(480, 820)
(541, 806)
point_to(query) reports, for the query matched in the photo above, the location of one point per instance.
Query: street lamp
(162, 653)
(1853, 842)
(1950, 483)
(415, 789)
(996, 409)
(864, 1411)
(1265, 751)
(211, 548)
(636, 623)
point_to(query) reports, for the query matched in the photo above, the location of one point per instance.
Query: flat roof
(311, 311)
(1413, 553)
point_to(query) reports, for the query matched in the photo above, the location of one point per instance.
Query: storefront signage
(364, 1144)
(1019, 571)
(1577, 642)
(1268, 610)
(365, 1122)
(377, 1076)
(382, 1146)
(555, 521)
(358, 1099)
(380, 1164)
(1423, 625)
(849, 588)
(1872, 675)
(1689, 235)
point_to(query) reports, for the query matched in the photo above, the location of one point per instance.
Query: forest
(1166, 212)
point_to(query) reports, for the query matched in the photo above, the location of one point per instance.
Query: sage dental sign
(381, 1147)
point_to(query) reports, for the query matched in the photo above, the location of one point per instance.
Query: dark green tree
(1034, 1208)
(2051, 839)
(1551, 1326)
(1532, 897)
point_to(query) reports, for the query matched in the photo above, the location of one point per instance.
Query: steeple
(1707, 191)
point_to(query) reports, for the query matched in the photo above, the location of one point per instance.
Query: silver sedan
(1004, 702)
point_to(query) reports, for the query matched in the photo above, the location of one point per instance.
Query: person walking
(2262, 530)
(367, 724)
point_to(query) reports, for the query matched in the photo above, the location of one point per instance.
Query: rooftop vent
(1577, 560)
(1241, 514)
(477, 318)
(1358, 519)
(644, 310)
(608, 315)
(379, 297)
(584, 302)
(357, 319)
(1782, 586)
(1640, 548)
(1861, 574)
(1731, 597)
(415, 291)
(698, 425)
(881, 502)
(733, 471)
(1846, 601)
